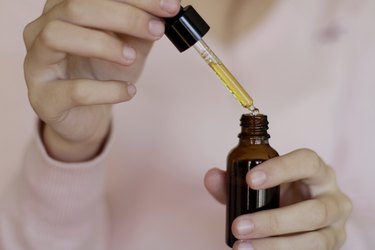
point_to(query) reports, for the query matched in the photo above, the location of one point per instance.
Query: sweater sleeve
(55, 205)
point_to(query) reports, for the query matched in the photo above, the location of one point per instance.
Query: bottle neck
(253, 141)
(254, 130)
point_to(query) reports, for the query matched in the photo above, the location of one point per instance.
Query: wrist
(62, 149)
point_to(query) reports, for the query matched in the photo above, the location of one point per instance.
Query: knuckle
(330, 240)
(73, 10)
(314, 159)
(340, 238)
(330, 173)
(347, 206)
(309, 153)
(47, 35)
(50, 4)
(78, 94)
(319, 241)
(28, 34)
(321, 212)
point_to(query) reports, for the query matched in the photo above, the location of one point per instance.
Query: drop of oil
(253, 110)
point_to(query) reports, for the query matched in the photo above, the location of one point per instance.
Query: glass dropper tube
(187, 29)
(225, 76)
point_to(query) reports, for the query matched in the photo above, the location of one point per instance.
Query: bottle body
(252, 150)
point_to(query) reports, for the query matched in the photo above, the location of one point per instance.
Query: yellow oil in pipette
(226, 77)
(232, 84)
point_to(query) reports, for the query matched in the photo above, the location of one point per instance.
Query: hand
(82, 57)
(313, 210)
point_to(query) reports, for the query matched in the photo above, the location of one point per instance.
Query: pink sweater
(309, 68)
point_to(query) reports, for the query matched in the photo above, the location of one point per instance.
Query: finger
(302, 164)
(103, 15)
(162, 8)
(59, 38)
(323, 211)
(110, 16)
(214, 182)
(328, 239)
(52, 99)
(155, 7)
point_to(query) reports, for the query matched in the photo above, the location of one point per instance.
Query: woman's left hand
(313, 209)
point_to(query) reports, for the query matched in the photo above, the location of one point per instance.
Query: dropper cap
(186, 28)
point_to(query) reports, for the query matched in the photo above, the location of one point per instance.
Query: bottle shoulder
(252, 152)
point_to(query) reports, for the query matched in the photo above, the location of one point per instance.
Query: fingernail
(128, 53)
(258, 178)
(244, 245)
(156, 28)
(170, 6)
(132, 90)
(244, 227)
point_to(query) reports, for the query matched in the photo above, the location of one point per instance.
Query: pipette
(187, 29)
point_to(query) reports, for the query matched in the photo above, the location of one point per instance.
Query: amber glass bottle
(252, 149)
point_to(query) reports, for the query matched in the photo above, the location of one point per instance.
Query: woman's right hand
(82, 57)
